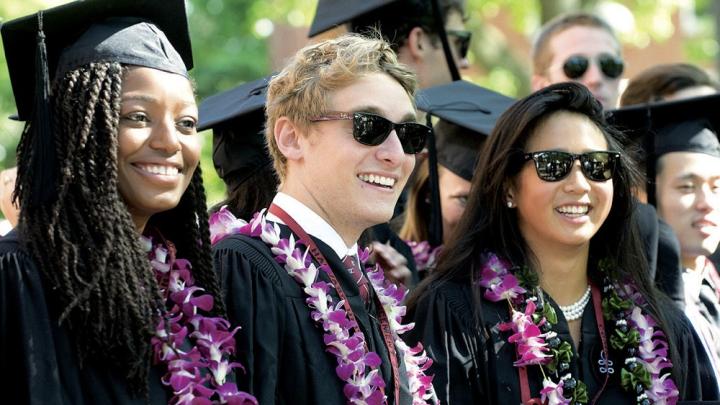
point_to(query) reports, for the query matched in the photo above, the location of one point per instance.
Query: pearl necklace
(575, 310)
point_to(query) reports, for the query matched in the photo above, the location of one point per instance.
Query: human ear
(416, 43)
(288, 138)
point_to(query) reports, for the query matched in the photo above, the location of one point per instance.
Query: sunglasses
(554, 165)
(575, 66)
(372, 130)
(462, 39)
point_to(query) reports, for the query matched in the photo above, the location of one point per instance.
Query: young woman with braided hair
(97, 305)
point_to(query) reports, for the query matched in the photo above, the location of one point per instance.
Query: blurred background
(235, 41)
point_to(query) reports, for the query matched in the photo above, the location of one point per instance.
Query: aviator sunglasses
(372, 130)
(554, 165)
(576, 65)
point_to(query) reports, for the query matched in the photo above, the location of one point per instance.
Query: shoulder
(244, 253)
(12, 254)
(453, 298)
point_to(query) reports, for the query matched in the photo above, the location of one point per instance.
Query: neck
(563, 274)
(342, 224)
(140, 222)
(694, 263)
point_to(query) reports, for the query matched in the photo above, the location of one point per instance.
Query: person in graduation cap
(319, 327)
(682, 161)
(542, 295)
(429, 36)
(240, 156)
(467, 115)
(241, 159)
(107, 288)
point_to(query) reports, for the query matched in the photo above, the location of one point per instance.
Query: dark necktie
(351, 263)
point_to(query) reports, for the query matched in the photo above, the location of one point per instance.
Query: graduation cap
(473, 108)
(237, 118)
(42, 46)
(331, 13)
(688, 125)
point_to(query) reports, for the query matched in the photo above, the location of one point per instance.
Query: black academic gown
(279, 345)
(473, 362)
(38, 361)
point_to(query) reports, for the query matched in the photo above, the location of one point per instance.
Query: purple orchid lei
(536, 344)
(349, 348)
(424, 254)
(198, 374)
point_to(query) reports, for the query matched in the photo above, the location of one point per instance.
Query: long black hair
(84, 240)
(489, 225)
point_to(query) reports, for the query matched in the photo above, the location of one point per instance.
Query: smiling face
(351, 185)
(158, 145)
(568, 212)
(688, 199)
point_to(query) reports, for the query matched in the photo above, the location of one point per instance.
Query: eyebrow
(692, 176)
(374, 110)
(149, 99)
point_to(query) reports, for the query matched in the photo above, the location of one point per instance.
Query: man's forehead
(690, 164)
(583, 39)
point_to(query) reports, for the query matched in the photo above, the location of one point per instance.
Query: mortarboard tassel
(435, 230)
(42, 157)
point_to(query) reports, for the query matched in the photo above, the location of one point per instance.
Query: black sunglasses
(462, 39)
(552, 165)
(372, 130)
(575, 66)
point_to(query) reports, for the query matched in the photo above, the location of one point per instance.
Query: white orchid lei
(348, 347)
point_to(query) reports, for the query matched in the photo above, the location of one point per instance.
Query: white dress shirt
(312, 223)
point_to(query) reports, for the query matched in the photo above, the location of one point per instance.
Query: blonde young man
(342, 134)
(579, 47)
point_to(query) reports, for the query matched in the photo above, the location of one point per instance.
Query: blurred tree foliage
(230, 45)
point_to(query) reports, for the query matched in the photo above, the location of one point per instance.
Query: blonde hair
(303, 88)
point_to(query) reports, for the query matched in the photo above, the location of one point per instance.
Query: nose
(576, 182)
(593, 77)
(165, 137)
(390, 151)
(463, 63)
(707, 199)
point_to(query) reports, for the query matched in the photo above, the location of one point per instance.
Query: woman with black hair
(107, 292)
(544, 296)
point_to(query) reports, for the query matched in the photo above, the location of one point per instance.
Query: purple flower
(663, 391)
(552, 394)
(529, 342)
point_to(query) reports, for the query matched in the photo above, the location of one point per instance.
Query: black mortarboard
(466, 105)
(66, 49)
(331, 13)
(40, 46)
(237, 117)
(688, 125)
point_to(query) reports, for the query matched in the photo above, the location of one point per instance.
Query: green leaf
(549, 313)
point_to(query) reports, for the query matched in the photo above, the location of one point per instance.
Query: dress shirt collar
(312, 223)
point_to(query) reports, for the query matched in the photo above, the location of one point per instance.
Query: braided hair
(84, 239)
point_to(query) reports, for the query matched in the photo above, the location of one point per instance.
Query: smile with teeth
(378, 180)
(573, 210)
(159, 169)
